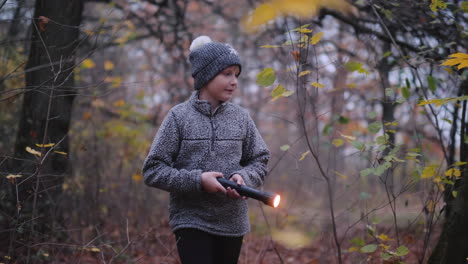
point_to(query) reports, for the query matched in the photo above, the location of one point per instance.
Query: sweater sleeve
(255, 156)
(158, 168)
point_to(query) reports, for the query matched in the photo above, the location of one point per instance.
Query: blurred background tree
(85, 85)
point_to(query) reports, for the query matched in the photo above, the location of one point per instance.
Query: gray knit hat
(209, 58)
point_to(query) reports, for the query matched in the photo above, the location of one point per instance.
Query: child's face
(222, 87)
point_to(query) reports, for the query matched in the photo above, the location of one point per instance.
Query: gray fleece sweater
(192, 140)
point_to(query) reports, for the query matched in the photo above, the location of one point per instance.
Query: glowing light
(277, 200)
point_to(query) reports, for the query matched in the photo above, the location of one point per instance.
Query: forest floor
(157, 246)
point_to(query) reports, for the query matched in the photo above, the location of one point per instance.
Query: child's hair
(208, 58)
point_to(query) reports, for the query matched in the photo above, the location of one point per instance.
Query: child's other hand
(233, 193)
(210, 184)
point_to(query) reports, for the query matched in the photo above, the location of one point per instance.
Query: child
(200, 140)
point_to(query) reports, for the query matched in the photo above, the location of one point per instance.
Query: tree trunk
(45, 118)
(452, 247)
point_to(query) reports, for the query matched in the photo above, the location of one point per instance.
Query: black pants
(198, 247)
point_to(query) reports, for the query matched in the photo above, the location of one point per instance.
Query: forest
(362, 104)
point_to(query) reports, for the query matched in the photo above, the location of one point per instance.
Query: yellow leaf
(304, 155)
(460, 163)
(344, 177)
(108, 65)
(137, 177)
(129, 24)
(261, 15)
(303, 73)
(97, 103)
(122, 39)
(429, 171)
(457, 58)
(119, 103)
(436, 4)
(299, 8)
(431, 206)
(94, 249)
(270, 46)
(116, 82)
(384, 237)
(318, 85)
(316, 38)
(88, 32)
(455, 172)
(449, 70)
(337, 142)
(87, 115)
(88, 64)
(385, 247)
(305, 30)
(353, 249)
(45, 145)
(32, 151)
(60, 152)
(145, 67)
(13, 176)
(279, 92)
(352, 85)
(348, 137)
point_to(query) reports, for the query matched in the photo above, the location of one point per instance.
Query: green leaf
(431, 82)
(405, 92)
(359, 145)
(401, 251)
(464, 6)
(279, 92)
(369, 248)
(343, 120)
(366, 172)
(327, 129)
(382, 139)
(266, 77)
(454, 193)
(389, 92)
(447, 120)
(284, 147)
(382, 168)
(364, 195)
(385, 256)
(407, 83)
(270, 46)
(357, 241)
(386, 54)
(372, 115)
(374, 127)
(355, 66)
(436, 4)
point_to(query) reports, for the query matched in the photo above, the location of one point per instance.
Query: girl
(200, 140)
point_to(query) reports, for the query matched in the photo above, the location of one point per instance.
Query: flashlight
(268, 198)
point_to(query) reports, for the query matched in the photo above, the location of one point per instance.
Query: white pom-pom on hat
(198, 42)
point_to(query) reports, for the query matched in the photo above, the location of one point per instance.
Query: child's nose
(234, 80)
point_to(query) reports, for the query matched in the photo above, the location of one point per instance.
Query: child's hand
(233, 193)
(210, 184)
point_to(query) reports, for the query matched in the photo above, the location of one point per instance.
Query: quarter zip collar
(204, 106)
